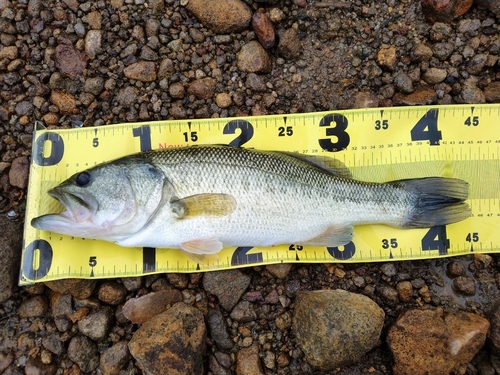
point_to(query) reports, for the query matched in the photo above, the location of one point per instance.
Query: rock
(443, 50)
(34, 307)
(263, 28)
(280, 270)
(203, 88)
(64, 101)
(387, 58)
(468, 25)
(221, 16)
(112, 293)
(36, 366)
(427, 342)
(364, 99)
(439, 31)
(94, 20)
(70, 61)
(53, 344)
(492, 92)
(421, 52)
(227, 286)
(405, 291)
(433, 76)
(326, 319)
(243, 312)
(223, 100)
(492, 5)
(144, 71)
(218, 329)
(115, 358)
(9, 52)
(127, 96)
(176, 90)
(494, 334)
(444, 10)
(248, 361)
(477, 63)
(51, 119)
(84, 353)
(97, 324)
(24, 108)
(133, 284)
(464, 285)
(403, 83)
(253, 58)
(470, 94)
(78, 288)
(421, 96)
(388, 294)
(166, 69)
(455, 268)
(140, 310)
(94, 85)
(93, 42)
(289, 45)
(172, 342)
(19, 171)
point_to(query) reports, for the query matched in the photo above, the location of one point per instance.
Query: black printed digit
(343, 138)
(347, 253)
(95, 142)
(240, 256)
(436, 239)
(472, 237)
(284, 131)
(472, 120)
(93, 261)
(144, 134)
(295, 247)
(426, 129)
(190, 136)
(56, 149)
(44, 259)
(246, 134)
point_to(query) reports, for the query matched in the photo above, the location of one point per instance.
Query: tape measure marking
(376, 144)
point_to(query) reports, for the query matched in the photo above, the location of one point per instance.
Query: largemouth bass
(203, 198)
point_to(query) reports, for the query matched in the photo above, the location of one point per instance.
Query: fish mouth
(78, 210)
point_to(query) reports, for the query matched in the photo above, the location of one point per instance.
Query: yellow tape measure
(379, 145)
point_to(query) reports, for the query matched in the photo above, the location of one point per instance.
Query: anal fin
(331, 237)
(202, 246)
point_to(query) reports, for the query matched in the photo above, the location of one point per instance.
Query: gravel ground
(72, 62)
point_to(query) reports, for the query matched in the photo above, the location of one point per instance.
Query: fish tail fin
(436, 201)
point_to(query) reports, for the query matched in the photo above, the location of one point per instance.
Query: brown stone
(427, 342)
(289, 45)
(140, 310)
(69, 60)
(444, 10)
(387, 58)
(248, 361)
(64, 101)
(492, 92)
(221, 16)
(263, 29)
(51, 119)
(172, 342)
(78, 288)
(19, 170)
(8, 52)
(203, 88)
(253, 58)
(144, 71)
(421, 96)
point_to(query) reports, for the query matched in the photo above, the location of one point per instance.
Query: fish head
(109, 201)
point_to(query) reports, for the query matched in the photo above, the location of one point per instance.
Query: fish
(200, 199)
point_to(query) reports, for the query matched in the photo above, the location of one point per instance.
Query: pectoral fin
(332, 237)
(203, 204)
(202, 246)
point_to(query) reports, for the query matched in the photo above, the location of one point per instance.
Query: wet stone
(84, 353)
(218, 329)
(112, 293)
(97, 324)
(263, 28)
(464, 285)
(255, 82)
(494, 333)
(34, 307)
(227, 286)
(115, 358)
(455, 268)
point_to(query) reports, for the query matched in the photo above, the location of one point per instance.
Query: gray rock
(34, 307)
(326, 319)
(53, 344)
(94, 85)
(470, 94)
(443, 50)
(93, 43)
(218, 329)
(403, 83)
(115, 358)
(439, 31)
(84, 353)
(476, 64)
(289, 45)
(127, 96)
(97, 324)
(24, 108)
(112, 293)
(433, 76)
(388, 294)
(227, 286)
(388, 269)
(133, 284)
(468, 25)
(18, 173)
(243, 312)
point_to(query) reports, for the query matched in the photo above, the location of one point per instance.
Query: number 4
(426, 129)
(473, 122)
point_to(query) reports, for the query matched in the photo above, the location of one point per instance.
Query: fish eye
(83, 178)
